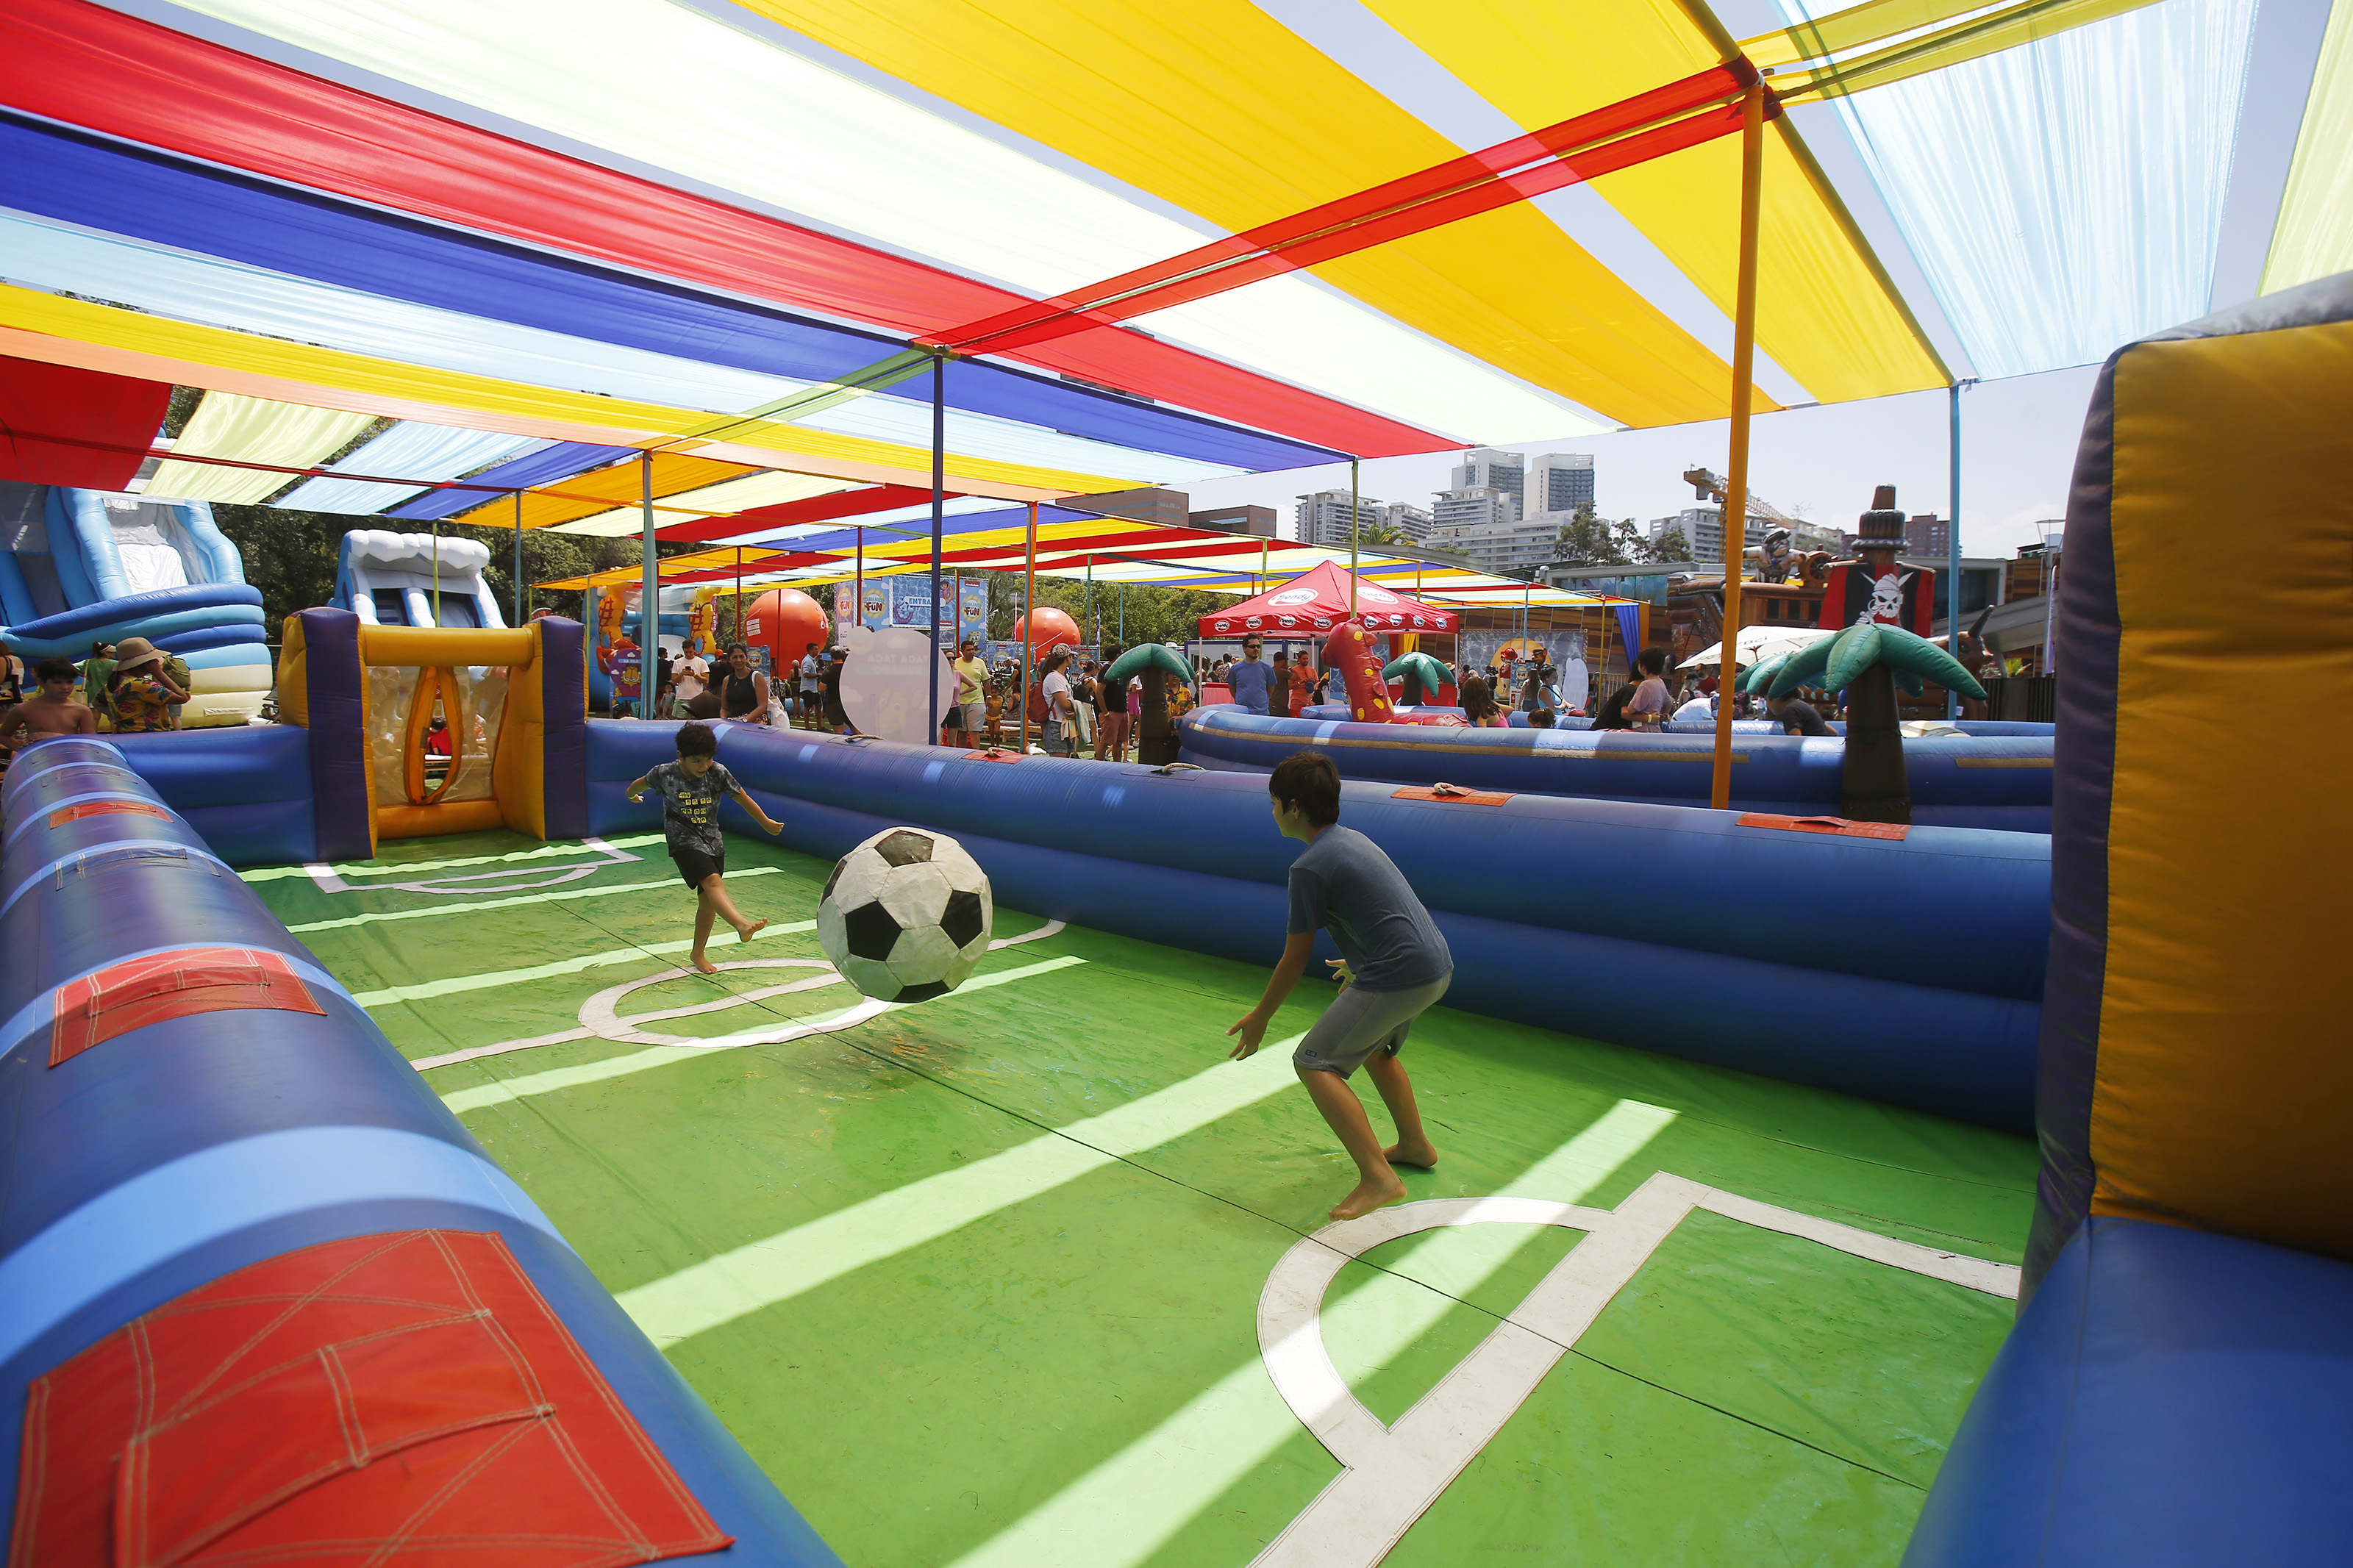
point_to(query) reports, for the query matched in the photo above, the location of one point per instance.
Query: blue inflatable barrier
(2000, 781)
(247, 791)
(76, 644)
(169, 1148)
(1906, 970)
(2170, 1399)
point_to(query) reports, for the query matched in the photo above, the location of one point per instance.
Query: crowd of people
(1073, 708)
(128, 688)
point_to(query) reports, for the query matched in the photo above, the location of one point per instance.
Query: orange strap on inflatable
(433, 682)
(1837, 824)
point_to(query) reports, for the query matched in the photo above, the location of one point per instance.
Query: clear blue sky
(2019, 435)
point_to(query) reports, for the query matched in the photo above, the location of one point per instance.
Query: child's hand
(773, 825)
(1252, 1030)
(636, 795)
(1341, 971)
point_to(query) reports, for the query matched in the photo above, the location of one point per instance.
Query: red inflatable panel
(106, 808)
(165, 985)
(1449, 792)
(404, 1397)
(1838, 825)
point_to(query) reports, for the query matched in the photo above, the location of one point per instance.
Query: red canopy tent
(1311, 604)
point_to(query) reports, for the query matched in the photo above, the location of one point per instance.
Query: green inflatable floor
(984, 1280)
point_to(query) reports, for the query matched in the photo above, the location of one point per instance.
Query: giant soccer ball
(905, 915)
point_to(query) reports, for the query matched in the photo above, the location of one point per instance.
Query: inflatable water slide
(78, 567)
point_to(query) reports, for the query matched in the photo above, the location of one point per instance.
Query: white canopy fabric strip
(2064, 196)
(412, 451)
(2313, 237)
(250, 430)
(663, 85)
(249, 298)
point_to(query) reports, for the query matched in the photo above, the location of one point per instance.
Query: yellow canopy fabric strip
(132, 342)
(1852, 28)
(251, 430)
(2314, 235)
(1822, 310)
(1217, 106)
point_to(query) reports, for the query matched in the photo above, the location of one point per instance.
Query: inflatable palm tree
(1422, 675)
(1867, 661)
(1155, 663)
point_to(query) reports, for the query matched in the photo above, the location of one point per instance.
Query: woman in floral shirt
(138, 690)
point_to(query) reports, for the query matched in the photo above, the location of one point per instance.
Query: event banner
(905, 601)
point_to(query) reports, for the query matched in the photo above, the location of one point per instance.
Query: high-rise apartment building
(1484, 468)
(1484, 524)
(1322, 518)
(1559, 483)
(1703, 529)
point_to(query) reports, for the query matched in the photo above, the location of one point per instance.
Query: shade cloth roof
(1322, 599)
(713, 231)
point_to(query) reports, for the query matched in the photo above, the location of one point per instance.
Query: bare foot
(748, 930)
(704, 966)
(1368, 1196)
(1420, 1156)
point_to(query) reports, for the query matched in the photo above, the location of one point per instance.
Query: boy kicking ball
(691, 788)
(1396, 968)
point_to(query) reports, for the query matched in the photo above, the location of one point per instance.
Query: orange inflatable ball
(784, 621)
(1055, 629)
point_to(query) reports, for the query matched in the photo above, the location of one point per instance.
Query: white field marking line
(371, 869)
(425, 990)
(600, 1017)
(762, 1273)
(1128, 1507)
(327, 882)
(432, 911)
(1393, 1474)
(663, 1055)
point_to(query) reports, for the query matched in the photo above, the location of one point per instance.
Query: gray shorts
(1360, 1022)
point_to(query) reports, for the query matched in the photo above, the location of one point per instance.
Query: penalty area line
(554, 1079)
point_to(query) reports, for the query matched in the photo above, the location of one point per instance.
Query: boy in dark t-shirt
(691, 789)
(1394, 965)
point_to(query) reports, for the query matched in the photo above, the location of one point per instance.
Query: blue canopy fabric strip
(408, 450)
(115, 188)
(547, 467)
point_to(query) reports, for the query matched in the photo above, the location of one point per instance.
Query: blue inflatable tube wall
(187, 1149)
(1973, 781)
(1907, 972)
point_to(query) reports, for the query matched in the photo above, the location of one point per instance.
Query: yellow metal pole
(1736, 490)
(1028, 624)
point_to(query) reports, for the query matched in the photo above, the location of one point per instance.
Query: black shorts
(696, 865)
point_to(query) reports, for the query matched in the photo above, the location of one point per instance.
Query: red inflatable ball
(784, 621)
(1055, 629)
(1350, 649)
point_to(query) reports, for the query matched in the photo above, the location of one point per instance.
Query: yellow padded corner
(2225, 1067)
(294, 679)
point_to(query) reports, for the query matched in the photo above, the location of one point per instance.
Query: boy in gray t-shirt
(1394, 967)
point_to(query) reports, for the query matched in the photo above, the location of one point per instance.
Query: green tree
(1586, 540)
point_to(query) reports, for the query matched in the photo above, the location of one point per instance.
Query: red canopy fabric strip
(792, 513)
(124, 409)
(1553, 174)
(1472, 170)
(88, 66)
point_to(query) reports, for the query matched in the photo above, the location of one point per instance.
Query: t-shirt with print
(690, 805)
(1342, 883)
(141, 704)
